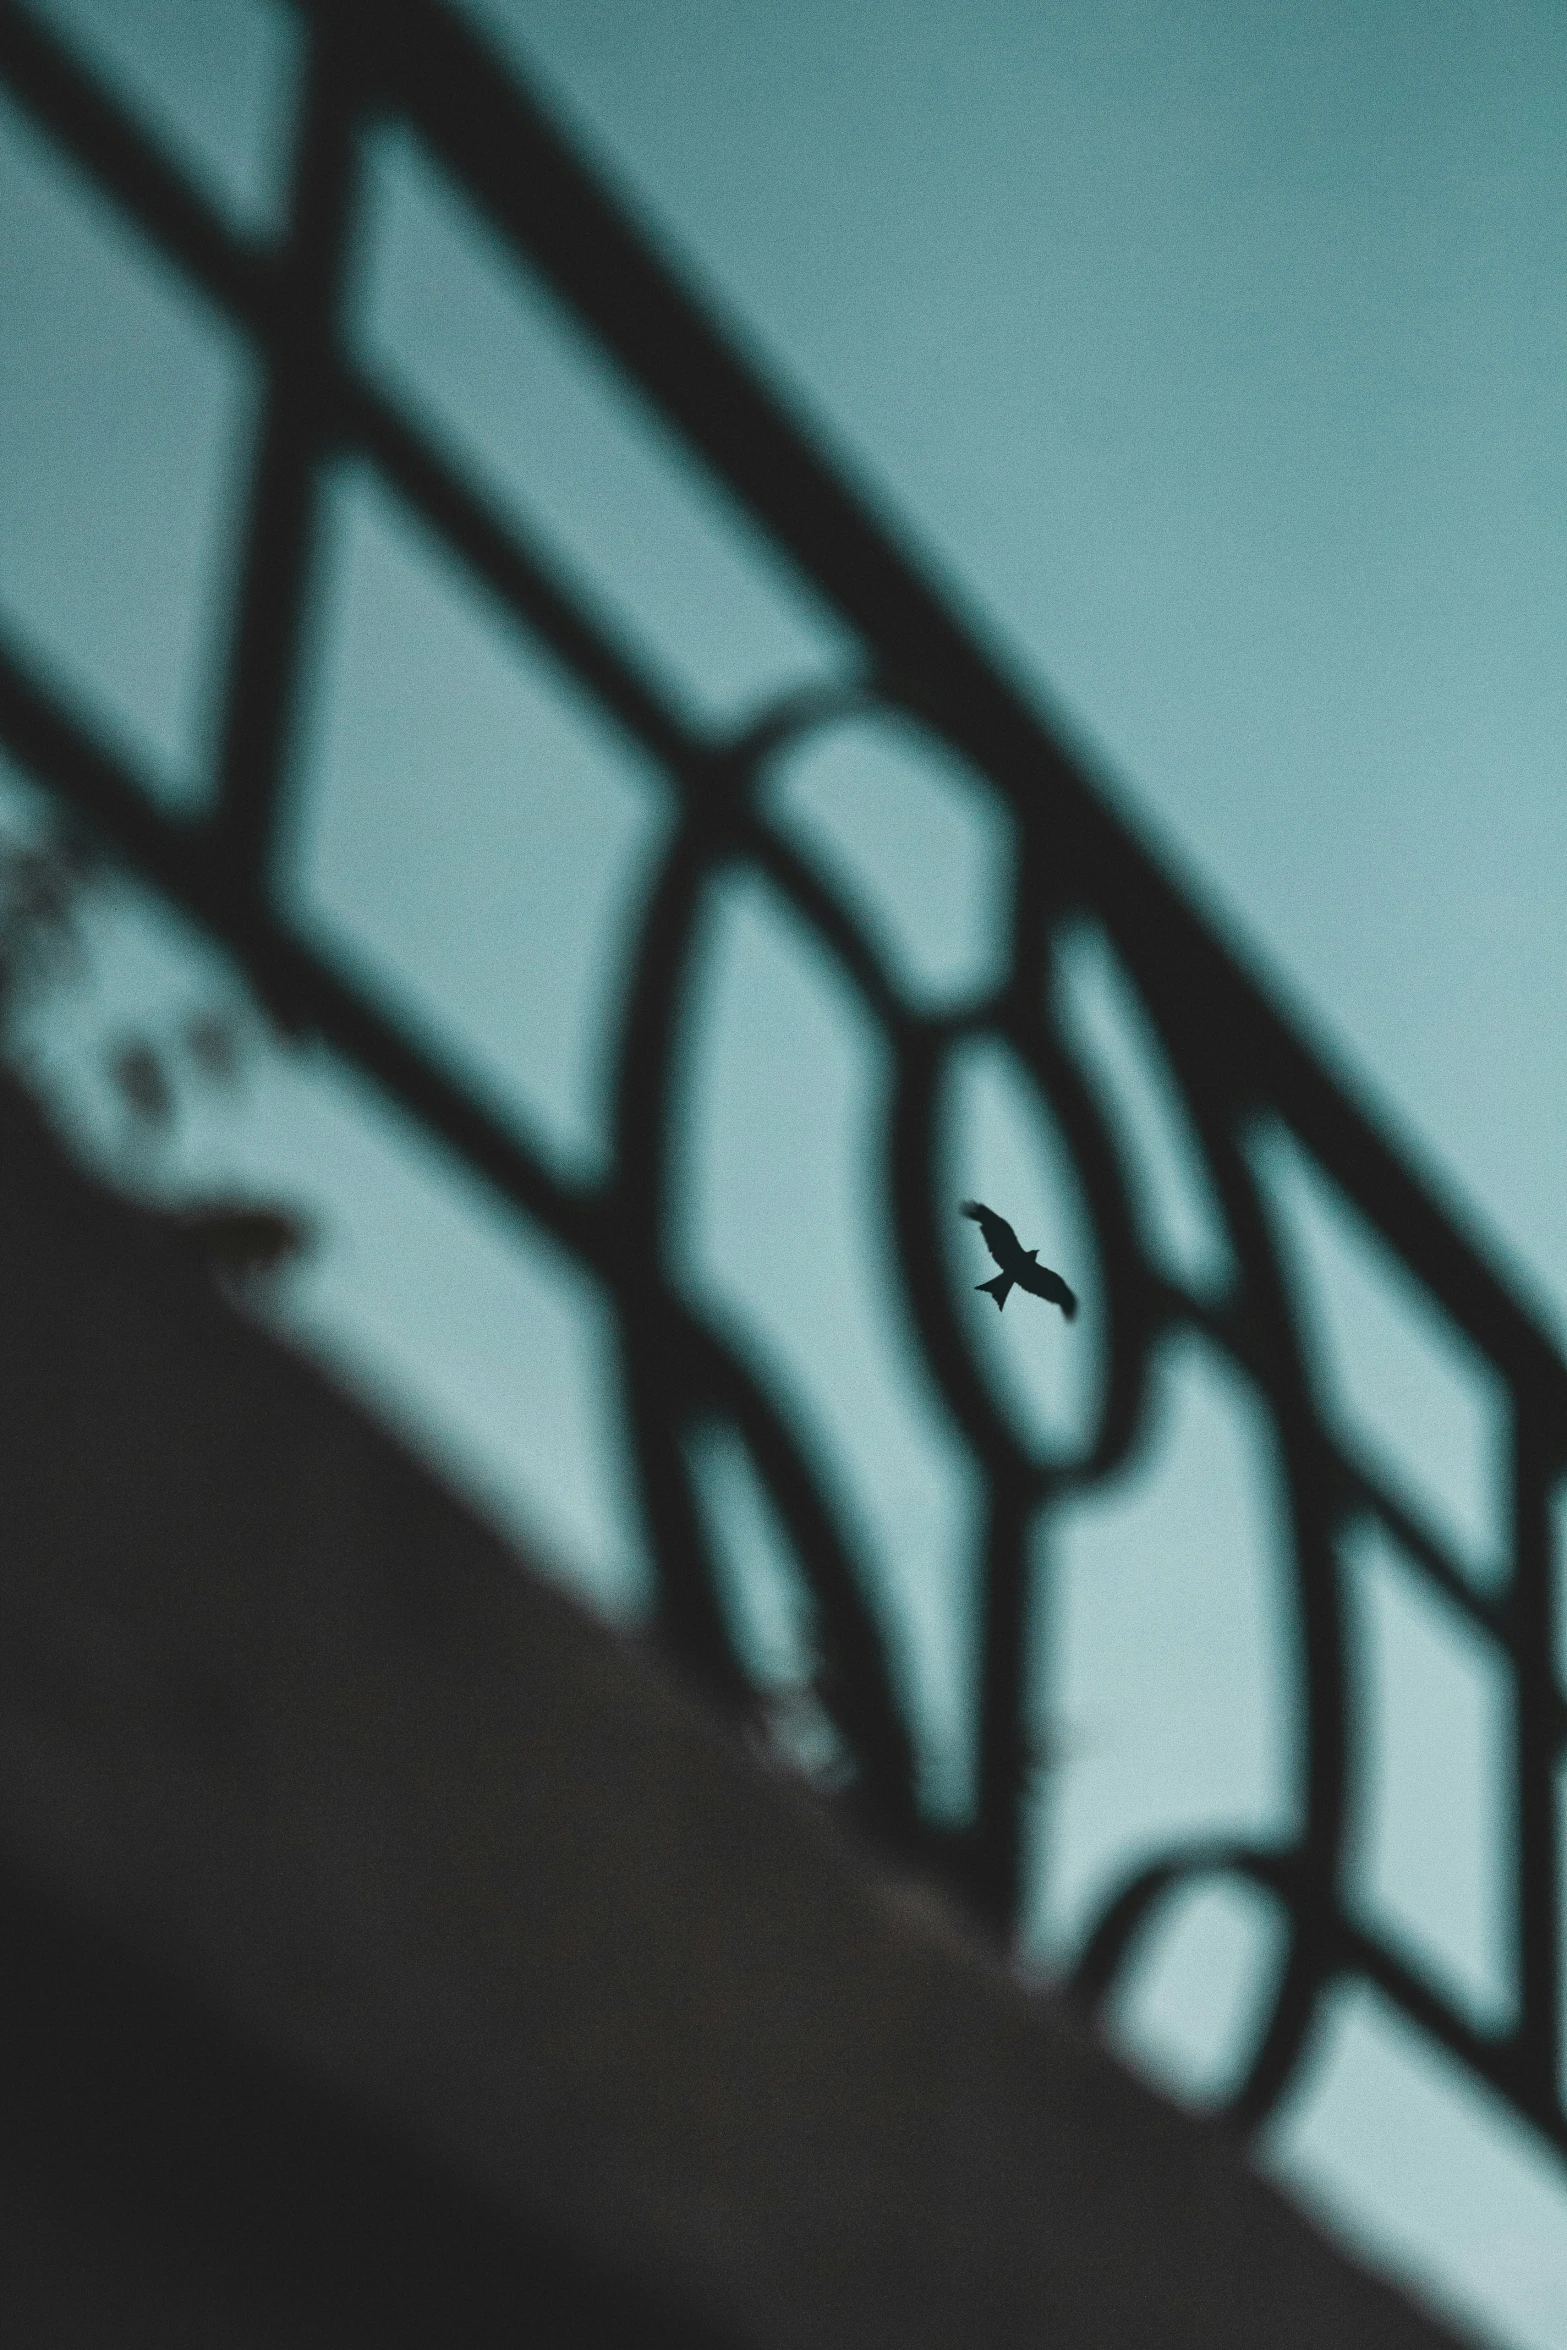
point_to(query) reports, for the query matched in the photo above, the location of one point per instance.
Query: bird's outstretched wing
(1040, 1281)
(998, 1235)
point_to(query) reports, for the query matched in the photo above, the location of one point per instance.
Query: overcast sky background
(1213, 354)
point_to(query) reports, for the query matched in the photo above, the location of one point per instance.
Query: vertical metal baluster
(296, 425)
(1537, 1858)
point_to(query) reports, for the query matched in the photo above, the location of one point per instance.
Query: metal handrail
(1234, 1053)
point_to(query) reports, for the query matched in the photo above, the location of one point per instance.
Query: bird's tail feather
(999, 1289)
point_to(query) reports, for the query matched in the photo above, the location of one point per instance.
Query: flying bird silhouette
(1020, 1267)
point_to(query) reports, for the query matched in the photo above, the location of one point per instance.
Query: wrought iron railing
(1236, 1059)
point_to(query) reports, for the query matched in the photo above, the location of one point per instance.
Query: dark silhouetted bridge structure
(1239, 1062)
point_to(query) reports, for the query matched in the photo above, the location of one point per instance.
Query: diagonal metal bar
(528, 586)
(314, 992)
(69, 101)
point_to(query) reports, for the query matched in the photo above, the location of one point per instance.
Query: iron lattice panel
(1236, 1059)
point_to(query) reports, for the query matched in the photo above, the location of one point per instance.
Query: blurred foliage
(56, 888)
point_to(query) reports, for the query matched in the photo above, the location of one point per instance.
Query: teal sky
(1212, 357)
(1215, 353)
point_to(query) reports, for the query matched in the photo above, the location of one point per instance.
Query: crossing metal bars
(1236, 1058)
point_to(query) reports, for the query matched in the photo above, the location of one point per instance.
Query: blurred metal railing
(1237, 1060)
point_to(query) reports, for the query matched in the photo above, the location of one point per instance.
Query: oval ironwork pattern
(1237, 1063)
